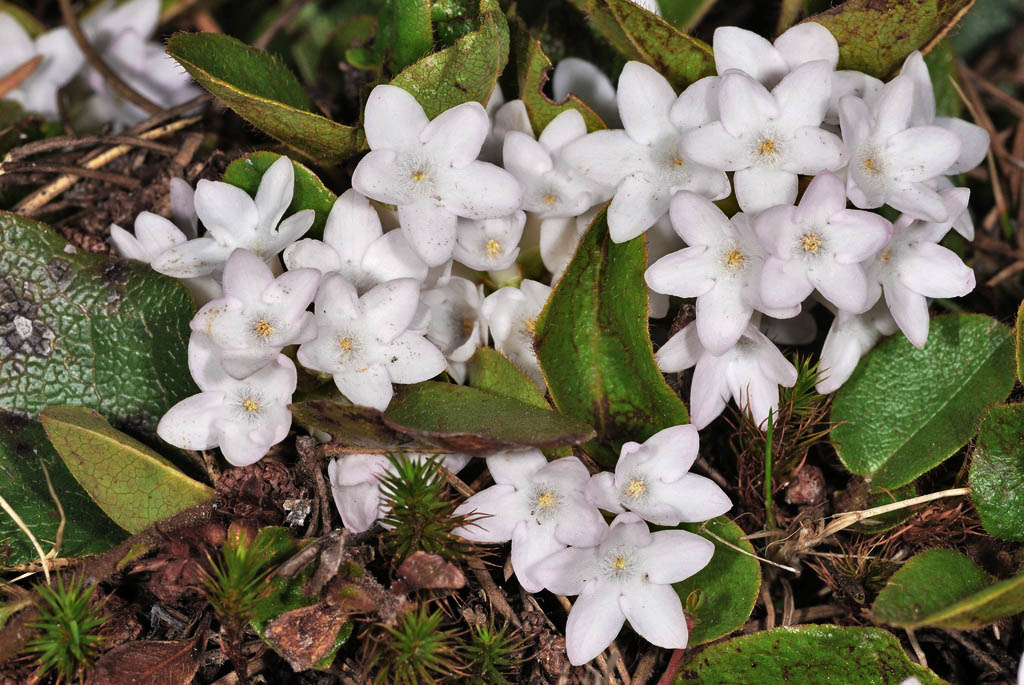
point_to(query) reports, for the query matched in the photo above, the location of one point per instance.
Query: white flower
(61, 59)
(628, 576)
(235, 220)
(355, 485)
(819, 244)
(769, 138)
(511, 314)
(652, 480)
(750, 373)
(429, 170)
(364, 342)
(850, 338)
(721, 268)
(644, 162)
(457, 325)
(356, 246)
(182, 198)
(245, 418)
(539, 506)
(912, 268)
(586, 81)
(505, 117)
(891, 161)
(489, 244)
(661, 240)
(559, 239)
(258, 315)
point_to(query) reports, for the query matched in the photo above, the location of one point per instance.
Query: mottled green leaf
(942, 68)
(532, 67)
(1020, 342)
(593, 346)
(89, 330)
(310, 192)
(356, 429)
(997, 472)
(685, 14)
(131, 483)
(875, 36)
(720, 597)
(410, 33)
(640, 35)
(265, 93)
(904, 410)
(806, 655)
(463, 72)
(26, 458)
(942, 588)
(490, 371)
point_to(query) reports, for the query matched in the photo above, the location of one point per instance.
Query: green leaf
(90, 330)
(944, 589)
(593, 346)
(942, 68)
(134, 485)
(265, 93)
(357, 429)
(532, 67)
(1020, 342)
(310, 192)
(806, 655)
(685, 15)
(720, 597)
(490, 371)
(997, 473)
(875, 36)
(905, 411)
(410, 33)
(464, 72)
(26, 458)
(25, 19)
(640, 35)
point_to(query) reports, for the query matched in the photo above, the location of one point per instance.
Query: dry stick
(921, 659)
(769, 606)
(736, 548)
(14, 78)
(69, 142)
(97, 63)
(106, 176)
(59, 538)
(1011, 103)
(35, 543)
(40, 198)
(645, 668)
(620, 664)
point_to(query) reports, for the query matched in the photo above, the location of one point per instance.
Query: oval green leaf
(594, 349)
(904, 410)
(944, 589)
(806, 655)
(997, 473)
(490, 371)
(721, 596)
(875, 36)
(356, 429)
(1020, 342)
(641, 35)
(310, 192)
(131, 483)
(265, 93)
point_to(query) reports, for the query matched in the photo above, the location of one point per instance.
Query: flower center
(885, 256)
(531, 326)
(870, 166)
(766, 147)
(635, 488)
(547, 500)
(418, 176)
(810, 242)
(550, 199)
(250, 405)
(734, 259)
(677, 160)
(263, 329)
(493, 248)
(619, 563)
(345, 344)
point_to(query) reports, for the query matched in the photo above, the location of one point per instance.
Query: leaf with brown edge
(153, 662)
(875, 36)
(356, 429)
(532, 69)
(131, 483)
(306, 636)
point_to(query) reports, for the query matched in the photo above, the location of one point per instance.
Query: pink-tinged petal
(974, 143)
(919, 201)
(352, 226)
(697, 105)
(564, 572)
(246, 275)
(893, 107)
(523, 156)
(605, 157)
(923, 109)
(393, 119)
(411, 358)
(644, 98)
(772, 363)
(744, 104)
(844, 285)
(737, 48)
(844, 345)
(722, 316)
(481, 191)
(693, 498)
(497, 510)
(430, 231)
(637, 204)
(390, 307)
(456, 135)
(370, 387)
(157, 233)
(803, 94)
(655, 612)
(627, 529)
(709, 391)
(337, 301)
(567, 472)
(579, 523)
(227, 212)
(807, 42)
(199, 257)
(379, 176)
(516, 468)
(275, 193)
(681, 351)
(713, 146)
(909, 309)
(190, 423)
(784, 283)
(675, 555)
(587, 82)
(531, 544)
(813, 150)
(183, 206)
(698, 220)
(673, 451)
(288, 231)
(127, 245)
(754, 394)
(686, 273)
(359, 505)
(293, 290)
(311, 254)
(241, 445)
(391, 256)
(758, 189)
(921, 153)
(863, 235)
(854, 121)
(594, 621)
(602, 493)
(562, 130)
(934, 271)
(955, 201)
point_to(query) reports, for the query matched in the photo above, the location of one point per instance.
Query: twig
(789, 12)
(769, 511)
(35, 543)
(59, 538)
(494, 593)
(672, 668)
(849, 518)
(16, 76)
(645, 668)
(736, 548)
(788, 603)
(769, 606)
(279, 23)
(921, 659)
(69, 142)
(84, 172)
(620, 664)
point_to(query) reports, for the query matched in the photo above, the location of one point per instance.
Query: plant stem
(769, 510)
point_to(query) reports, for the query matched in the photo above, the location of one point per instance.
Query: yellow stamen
(619, 563)
(418, 176)
(550, 199)
(678, 161)
(346, 344)
(635, 488)
(531, 326)
(546, 500)
(869, 165)
(810, 242)
(263, 328)
(734, 259)
(251, 405)
(492, 248)
(885, 256)
(766, 147)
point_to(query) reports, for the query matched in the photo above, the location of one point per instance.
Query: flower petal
(934, 271)
(562, 130)
(380, 176)
(713, 146)
(389, 307)
(456, 135)
(698, 220)
(531, 544)
(744, 104)
(370, 387)
(758, 189)
(974, 143)
(605, 157)
(430, 231)
(564, 572)
(190, 423)
(275, 193)
(359, 505)
(500, 508)
(393, 119)
(697, 105)
(803, 94)
(784, 283)
(919, 201)
(157, 233)
(863, 235)
(516, 467)
(921, 153)
(722, 316)
(737, 48)
(681, 351)
(686, 273)
(391, 256)
(227, 212)
(655, 612)
(909, 310)
(481, 191)
(637, 204)
(693, 498)
(199, 257)
(709, 391)
(594, 621)
(246, 275)
(644, 98)
(411, 358)
(807, 42)
(812, 150)
(587, 82)
(602, 493)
